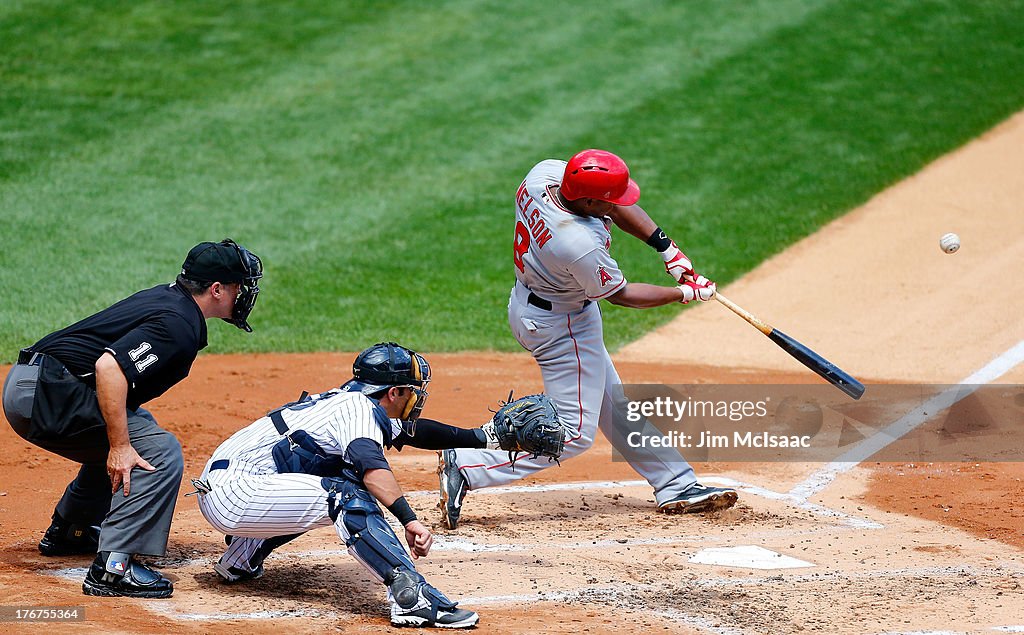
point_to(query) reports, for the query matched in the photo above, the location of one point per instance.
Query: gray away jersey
(560, 256)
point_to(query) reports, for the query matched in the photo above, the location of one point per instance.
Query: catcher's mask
(389, 365)
(227, 262)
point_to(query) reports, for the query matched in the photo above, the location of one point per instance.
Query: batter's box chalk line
(800, 494)
(747, 488)
(171, 612)
(698, 622)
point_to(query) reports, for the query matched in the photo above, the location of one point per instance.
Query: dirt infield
(595, 553)
(874, 548)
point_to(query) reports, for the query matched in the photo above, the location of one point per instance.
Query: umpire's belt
(524, 294)
(29, 358)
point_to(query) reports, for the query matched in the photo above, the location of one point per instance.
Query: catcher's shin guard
(370, 540)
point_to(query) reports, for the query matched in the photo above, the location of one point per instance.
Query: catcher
(319, 461)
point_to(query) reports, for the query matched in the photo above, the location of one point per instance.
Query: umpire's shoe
(66, 539)
(700, 498)
(453, 488)
(137, 581)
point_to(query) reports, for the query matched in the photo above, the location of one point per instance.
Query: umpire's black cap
(217, 262)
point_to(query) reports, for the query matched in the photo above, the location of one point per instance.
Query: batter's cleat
(65, 539)
(700, 498)
(231, 575)
(454, 618)
(137, 581)
(453, 488)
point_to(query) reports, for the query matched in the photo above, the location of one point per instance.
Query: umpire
(78, 393)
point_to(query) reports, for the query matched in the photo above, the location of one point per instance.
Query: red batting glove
(700, 289)
(677, 264)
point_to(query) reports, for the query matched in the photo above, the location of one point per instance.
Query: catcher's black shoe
(232, 575)
(453, 488)
(66, 539)
(700, 498)
(236, 574)
(137, 581)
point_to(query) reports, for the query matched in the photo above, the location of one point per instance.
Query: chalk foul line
(870, 446)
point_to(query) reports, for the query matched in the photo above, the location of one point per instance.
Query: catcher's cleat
(137, 581)
(454, 618)
(231, 575)
(453, 488)
(66, 539)
(416, 603)
(237, 574)
(700, 498)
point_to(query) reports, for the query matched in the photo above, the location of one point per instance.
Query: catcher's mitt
(528, 425)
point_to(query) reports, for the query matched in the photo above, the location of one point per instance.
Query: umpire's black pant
(138, 523)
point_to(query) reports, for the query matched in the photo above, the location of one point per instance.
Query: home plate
(747, 557)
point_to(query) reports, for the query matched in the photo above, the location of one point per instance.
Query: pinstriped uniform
(252, 501)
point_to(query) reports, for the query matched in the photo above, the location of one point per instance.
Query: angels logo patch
(604, 275)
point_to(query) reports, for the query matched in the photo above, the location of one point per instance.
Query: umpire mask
(249, 290)
(227, 262)
(386, 365)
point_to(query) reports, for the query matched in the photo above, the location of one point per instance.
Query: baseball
(949, 243)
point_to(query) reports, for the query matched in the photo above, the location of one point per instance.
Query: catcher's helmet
(387, 364)
(601, 175)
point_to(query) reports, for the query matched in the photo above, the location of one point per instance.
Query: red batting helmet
(599, 174)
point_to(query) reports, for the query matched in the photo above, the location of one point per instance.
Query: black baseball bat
(828, 371)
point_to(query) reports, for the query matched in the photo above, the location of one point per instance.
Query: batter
(563, 266)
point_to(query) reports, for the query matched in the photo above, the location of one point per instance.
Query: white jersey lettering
(558, 255)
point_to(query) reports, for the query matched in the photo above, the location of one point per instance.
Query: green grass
(370, 152)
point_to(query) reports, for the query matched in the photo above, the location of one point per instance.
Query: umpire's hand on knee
(120, 462)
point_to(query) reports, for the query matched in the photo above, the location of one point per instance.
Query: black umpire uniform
(50, 399)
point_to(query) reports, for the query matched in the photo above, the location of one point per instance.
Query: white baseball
(950, 243)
